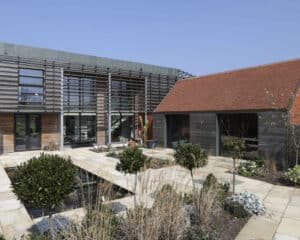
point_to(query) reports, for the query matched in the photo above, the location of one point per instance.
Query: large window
(79, 94)
(120, 96)
(31, 86)
(79, 128)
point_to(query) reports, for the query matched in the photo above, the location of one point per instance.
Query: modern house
(256, 103)
(53, 97)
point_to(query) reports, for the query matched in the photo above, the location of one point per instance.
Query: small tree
(296, 141)
(131, 161)
(191, 156)
(44, 182)
(234, 146)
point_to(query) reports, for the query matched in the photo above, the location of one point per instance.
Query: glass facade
(31, 86)
(122, 126)
(79, 94)
(79, 128)
(27, 132)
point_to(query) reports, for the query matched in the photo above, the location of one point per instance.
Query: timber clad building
(55, 97)
(256, 103)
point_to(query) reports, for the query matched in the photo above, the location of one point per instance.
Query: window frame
(20, 85)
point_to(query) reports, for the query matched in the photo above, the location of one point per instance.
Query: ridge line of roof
(240, 69)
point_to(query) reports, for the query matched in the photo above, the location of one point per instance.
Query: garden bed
(89, 188)
(228, 226)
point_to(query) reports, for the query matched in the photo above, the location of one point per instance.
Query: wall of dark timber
(272, 135)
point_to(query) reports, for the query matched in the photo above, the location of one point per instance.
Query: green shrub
(293, 175)
(211, 182)
(131, 160)
(197, 232)
(234, 146)
(191, 156)
(112, 154)
(248, 169)
(236, 209)
(37, 236)
(44, 182)
(2, 237)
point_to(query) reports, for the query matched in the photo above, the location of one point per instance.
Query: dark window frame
(20, 85)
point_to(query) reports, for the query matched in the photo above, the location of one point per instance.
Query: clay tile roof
(257, 88)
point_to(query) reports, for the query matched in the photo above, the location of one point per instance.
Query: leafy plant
(131, 161)
(248, 169)
(293, 175)
(234, 146)
(236, 209)
(221, 189)
(112, 154)
(197, 232)
(191, 156)
(2, 237)
(250, 202)
(44, 182)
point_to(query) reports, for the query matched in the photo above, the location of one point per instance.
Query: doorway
(178, 130)
(27, 132)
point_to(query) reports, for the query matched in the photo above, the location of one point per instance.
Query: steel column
(146, 99)
(109, 109)
(62, 110)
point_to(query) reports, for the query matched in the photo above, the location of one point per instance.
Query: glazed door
(27, 132)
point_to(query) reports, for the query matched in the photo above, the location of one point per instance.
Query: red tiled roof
(257, 88)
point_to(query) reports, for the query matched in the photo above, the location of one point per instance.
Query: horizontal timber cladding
(272, 136)
(9, 85)
(159, 128)
(203, 130)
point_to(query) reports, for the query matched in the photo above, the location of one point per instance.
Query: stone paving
(281, 222)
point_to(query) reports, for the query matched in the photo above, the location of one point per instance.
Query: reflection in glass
(121, 126)
(79, 128)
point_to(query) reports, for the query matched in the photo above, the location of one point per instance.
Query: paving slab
(290, 227)
(258, 228)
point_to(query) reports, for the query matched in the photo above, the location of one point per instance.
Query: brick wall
(295, 109)
(49, 129)
(6, 133)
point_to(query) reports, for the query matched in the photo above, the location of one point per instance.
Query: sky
(199, 37)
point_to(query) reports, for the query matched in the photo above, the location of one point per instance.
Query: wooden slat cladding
(159, 129)
(9, 86)
(203, 130)
(272, 135)
(157, 86)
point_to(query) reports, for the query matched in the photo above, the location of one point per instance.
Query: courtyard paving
(281, 222)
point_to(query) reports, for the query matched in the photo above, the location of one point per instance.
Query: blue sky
(197, 36)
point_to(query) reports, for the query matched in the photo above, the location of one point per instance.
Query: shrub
(112, 154)
(2, 237)
(236, 209)
(164, 220)
(211, 182)
(44, 181)
(191, 156)
(248, 169)
(131, 160)
(234, 146)
(293, 175)
(251, 203)
(197, 232)
(206, 204)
